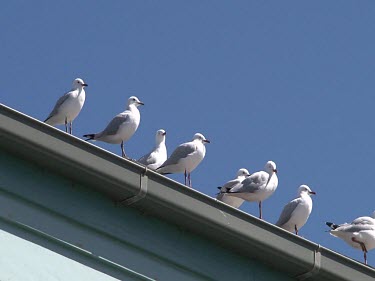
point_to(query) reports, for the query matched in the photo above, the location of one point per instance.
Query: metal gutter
(129, 183)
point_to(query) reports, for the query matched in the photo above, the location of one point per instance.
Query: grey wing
(287, 212)
(364, 220)
(179, 153)
(113, 126)
(230, 184)
(147, 159)
(252, 183)
(226, 187)
(59, 102)
(355, 228)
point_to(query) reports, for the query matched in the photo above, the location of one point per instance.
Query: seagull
(297, 211)
(158, 154)
(360, 236)
(68, 106)
(122, 127)
(185, 158)
(230, 200)
(257, 187)
(365, 220)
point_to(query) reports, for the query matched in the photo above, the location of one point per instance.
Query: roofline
(169, 200)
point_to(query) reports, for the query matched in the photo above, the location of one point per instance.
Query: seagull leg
(296, 229)
(260, 210)
(122, 150)
(66, 124)
(185, 178)
(189, 179)
(71, 127)
(364, 250)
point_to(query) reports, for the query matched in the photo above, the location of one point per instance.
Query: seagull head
(135, 101)
(78, 83)
(243, 173)
(270, 167)
(200, 138)
(305, 189)
(160, 135)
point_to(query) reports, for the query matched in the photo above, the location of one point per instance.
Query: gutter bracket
(316, 266)
(143, 179)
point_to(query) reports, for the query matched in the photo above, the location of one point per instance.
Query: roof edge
(169, 200)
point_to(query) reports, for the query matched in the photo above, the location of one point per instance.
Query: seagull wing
(287, 212)
(149, 158)
(252, 183)
(113, 126)
(59, 102)
(182, 151)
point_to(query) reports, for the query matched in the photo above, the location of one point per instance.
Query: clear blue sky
(288, 81)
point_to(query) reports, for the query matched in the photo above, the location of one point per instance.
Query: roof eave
(171, 201)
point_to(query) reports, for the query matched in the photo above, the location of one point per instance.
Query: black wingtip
(162, 173)
(219, 187)
(89, 137)
(332, 225)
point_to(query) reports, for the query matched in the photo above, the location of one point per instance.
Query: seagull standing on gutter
(359, 234)
(257, 187)
(297, 211)
(185, 158)
(68, 106)
(231, 200)
(157, 156)
(122, 127)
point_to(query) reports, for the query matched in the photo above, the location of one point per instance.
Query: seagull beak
(275, 171)
(312, 192)
(141, 103)
(84, 85)
(206, 141)
(164, 133)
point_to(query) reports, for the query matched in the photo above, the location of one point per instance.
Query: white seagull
(68, 106)
(158, 154)
(122, 127)
(185, 158)
(360, 236)
(230, 200)
(257, 187)
(297, 211)
(365, 220)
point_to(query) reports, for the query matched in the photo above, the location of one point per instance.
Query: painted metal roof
(133, 186)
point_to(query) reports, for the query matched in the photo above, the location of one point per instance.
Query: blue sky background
(288, 81)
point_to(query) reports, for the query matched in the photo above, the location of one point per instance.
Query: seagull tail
(89, 137)
(227, 191)
(220, 192)
(332, 225)
(48, 118)
(161, 172)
